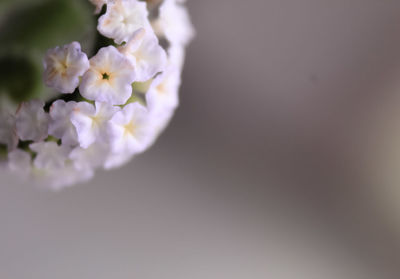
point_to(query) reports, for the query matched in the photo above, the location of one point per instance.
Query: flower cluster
(124, 96)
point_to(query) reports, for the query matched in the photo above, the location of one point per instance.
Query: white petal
(109, 78)
(176, 56)
(63, 67)
(146, 54)
(91, 122)
(60, 178)
(131, 129)
(122, 19)
(50, 155)
(89, 158)
(164, 90)
(174, 23)
(60, 125)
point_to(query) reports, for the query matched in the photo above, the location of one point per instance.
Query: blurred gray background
(282, 161)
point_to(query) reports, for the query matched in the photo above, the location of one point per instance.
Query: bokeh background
(283, 160)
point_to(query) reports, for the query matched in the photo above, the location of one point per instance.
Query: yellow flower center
(129, 129)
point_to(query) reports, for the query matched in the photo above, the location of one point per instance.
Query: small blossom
(45, 174)
(32, 121)
(146, 54)
(162, 97)
(109, 78)
(122, 19)
(57, 179)
(89, 158)
(91, 122)
(174, 23)
(7, 131)
(68, 176)
(50, 155)
(163, 92)
(131, 130)
(63, 67)
(60, 125)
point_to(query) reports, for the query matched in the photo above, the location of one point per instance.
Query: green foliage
(20, 78)
(27, 29)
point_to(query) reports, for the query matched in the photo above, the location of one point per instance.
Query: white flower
(98, 155)
(60, 125)
(109, 78)
(44, 173)
(7, 131)
(89, 158)
(66, 176)
(99, 5)
(146, 54)
(91, 122)
(176, 56)
(32, 121)
(131, 129)
(162, 98)
(61, 178)
(163, 92)
(53, 168)
(63, 67)
(50, 155)
(122, 19)
(57, 179)
(174, 23)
